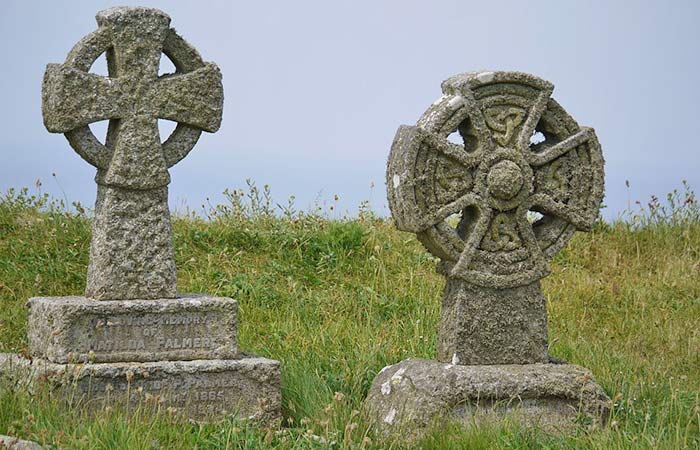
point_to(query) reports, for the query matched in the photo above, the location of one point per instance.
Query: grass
(337, 300)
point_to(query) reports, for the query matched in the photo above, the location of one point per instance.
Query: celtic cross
(495, 208)
(131, 253)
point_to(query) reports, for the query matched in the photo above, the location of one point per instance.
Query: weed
(337, 300)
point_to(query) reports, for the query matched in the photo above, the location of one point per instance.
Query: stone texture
(480, 325)
(406, 398)
(77, 329)
(13, 443)
(249, 386)
(131, 254)
(15, 370)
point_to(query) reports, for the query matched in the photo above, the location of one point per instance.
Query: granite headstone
(133, 335)
(494, 180)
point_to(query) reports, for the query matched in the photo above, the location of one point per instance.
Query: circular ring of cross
(497, 207)
(133, 97)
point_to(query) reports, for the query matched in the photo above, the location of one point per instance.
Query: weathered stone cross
(491, 187)
(131, 254)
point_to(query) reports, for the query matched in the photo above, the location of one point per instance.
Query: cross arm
(195, 98)
(71, 98)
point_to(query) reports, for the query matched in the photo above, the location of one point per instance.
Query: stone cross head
(494, 207)
(497, 207)
(131, 254)
(133, 97)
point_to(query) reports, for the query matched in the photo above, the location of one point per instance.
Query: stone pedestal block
(177, 353)
(481, 325)
(13, 443)
(77, 329)
(15, 370)
(408, 397)
(249, 387)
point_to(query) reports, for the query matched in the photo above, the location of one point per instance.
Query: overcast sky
(315, 90)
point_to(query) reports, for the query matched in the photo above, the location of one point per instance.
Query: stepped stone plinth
(204, 389)
(132, 337)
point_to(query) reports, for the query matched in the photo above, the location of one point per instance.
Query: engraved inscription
(194, 388)
(188, 328)
(176, 391)
(156, 331)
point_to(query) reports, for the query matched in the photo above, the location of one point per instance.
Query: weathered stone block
(13, 443)
(249, 387)
(495, 209)
(408, 397)
(77, 329)
(480, 325)
(15, 370)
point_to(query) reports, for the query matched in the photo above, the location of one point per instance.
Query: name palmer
(175, 343)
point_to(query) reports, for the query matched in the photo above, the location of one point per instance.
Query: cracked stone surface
(131, 254)
(408, 397)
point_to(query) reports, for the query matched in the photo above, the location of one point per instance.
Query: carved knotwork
(495, 179)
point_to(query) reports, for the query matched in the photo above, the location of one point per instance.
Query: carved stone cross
(495, 208)
(131, 254)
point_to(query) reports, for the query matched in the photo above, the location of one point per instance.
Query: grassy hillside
(336, 301)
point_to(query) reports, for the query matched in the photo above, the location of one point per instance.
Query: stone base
(15, 371)
(203, 390)
(13, 443)
(80, 330)
(408, 397)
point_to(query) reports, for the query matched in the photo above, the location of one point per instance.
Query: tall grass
(337, 300)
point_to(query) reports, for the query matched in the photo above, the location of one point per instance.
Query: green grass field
(337, 300)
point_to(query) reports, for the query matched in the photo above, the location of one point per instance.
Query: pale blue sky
(316, 89)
